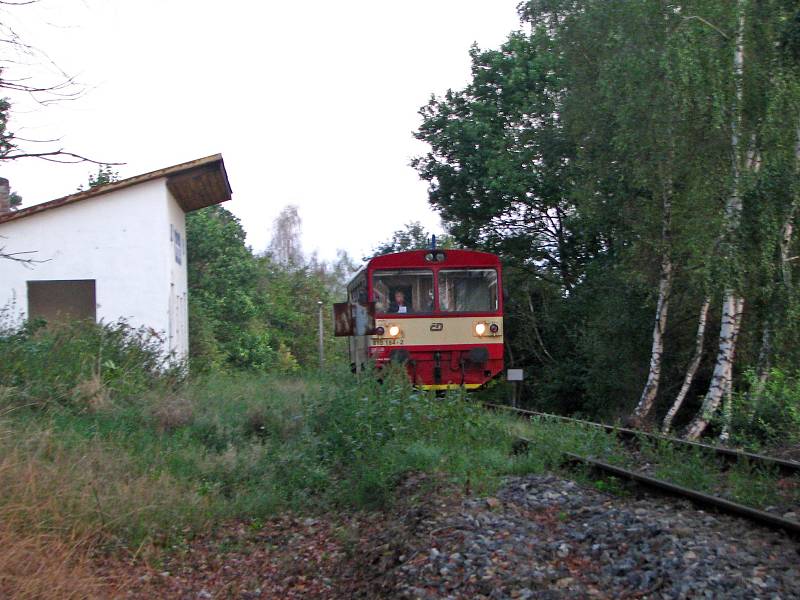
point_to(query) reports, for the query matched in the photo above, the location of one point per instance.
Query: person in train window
(399, 305)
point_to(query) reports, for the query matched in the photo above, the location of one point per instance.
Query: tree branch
(53, 157)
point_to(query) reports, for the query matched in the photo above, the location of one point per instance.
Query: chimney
(5, 201)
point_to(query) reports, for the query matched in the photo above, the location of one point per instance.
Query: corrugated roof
(194, 184)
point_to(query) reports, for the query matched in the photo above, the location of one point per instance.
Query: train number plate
(387, 342)
(437, 326)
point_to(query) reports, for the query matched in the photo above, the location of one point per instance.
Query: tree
(18, 81)
(498, 164)
(629, 173)
(285, 247)
(253, 312)
(225, 305)
(764, 138)
(412, 237)
(105, 174)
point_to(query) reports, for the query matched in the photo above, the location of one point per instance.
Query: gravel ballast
(543, 536)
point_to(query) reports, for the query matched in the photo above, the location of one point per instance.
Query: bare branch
(702, 20)
(53, 156)
(19, 257)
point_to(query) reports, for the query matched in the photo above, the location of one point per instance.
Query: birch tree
(285, 246)
(691, 370)
(629, 159)
(764, 120)
(733, 303)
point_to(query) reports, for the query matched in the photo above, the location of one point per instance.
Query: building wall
(178, 332)
(122, 240)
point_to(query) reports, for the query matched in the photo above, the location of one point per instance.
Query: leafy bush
(769, 414)
(80, 364)
(154, 466)
(368, 434)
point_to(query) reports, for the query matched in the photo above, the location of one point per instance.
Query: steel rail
(721, 504)
(786, 467)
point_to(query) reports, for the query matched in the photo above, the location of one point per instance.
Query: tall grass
(79, 363)
(103, 448)
(158, 459)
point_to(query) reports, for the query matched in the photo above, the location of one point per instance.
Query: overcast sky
(310, 102)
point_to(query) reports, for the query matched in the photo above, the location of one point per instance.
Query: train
(439, 312)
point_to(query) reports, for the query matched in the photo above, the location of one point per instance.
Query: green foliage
(254, 312)
(561, 154)
(242, 446)
(76, 363)
(694, 468)
(7, 141)
(226, 306)
(377, 431)
(105, 174)
(412, 237)
(769, 413)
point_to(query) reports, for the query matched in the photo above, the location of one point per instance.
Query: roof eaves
(118, 185)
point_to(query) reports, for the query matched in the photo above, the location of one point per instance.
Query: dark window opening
(403, 291)
(59, 301)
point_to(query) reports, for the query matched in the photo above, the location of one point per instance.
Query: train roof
(424, 258)
(417, 259)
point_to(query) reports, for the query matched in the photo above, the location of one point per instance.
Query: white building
(116, 251)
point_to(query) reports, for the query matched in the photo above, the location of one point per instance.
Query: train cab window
(403, 291)
(468, 290)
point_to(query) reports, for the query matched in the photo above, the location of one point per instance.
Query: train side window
(358, 290)
(468, 290)
(415, 287)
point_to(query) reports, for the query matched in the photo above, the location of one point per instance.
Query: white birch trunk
(691, 370)
(648, 398)
(786, 243)
(727, 412)
(722, 378)
(732, 303)
(787, 231)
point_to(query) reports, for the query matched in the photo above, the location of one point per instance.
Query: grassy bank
(148, 470)
(145, 472)
(103, 452)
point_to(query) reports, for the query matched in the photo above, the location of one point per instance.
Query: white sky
(310, 102)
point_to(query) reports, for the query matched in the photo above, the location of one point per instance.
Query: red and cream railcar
(439, 312)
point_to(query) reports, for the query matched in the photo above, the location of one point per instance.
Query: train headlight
(480, 328)
(494, 328)
(394, 331)
(379, 330)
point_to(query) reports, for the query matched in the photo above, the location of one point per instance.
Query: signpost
(515, 376)
(321, 339)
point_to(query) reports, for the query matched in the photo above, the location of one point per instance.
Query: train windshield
(468, 290)
(403, 291)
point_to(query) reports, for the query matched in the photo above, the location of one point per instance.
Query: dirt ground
(325, 556)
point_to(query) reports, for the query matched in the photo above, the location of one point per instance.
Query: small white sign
(515, 375)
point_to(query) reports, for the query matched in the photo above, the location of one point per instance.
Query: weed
(694, 468)
(754, 485)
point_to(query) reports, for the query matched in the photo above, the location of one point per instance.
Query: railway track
(728, 455)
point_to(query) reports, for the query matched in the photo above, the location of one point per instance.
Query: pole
(321, 339)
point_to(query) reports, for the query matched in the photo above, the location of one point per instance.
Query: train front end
(438, 312)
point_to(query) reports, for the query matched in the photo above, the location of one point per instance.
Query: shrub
(368, 434)
(769, 413)
(171, 412)
(152, 469)
(80, 364)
